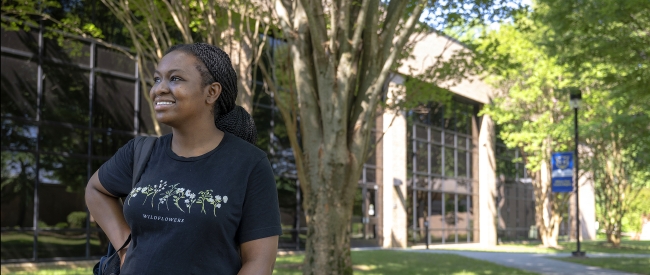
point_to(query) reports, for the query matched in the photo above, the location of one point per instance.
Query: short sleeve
(116, 174)
(261, 210)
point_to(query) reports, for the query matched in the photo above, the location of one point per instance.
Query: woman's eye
(156, 79)
(175, 78)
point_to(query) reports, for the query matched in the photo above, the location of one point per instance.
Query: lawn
(398, 262)
(632, 265)
(626, 247)
(366, 263)
(55, 271)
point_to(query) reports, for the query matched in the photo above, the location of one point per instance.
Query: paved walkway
(538, 262)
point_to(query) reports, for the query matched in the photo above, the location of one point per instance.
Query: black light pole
(576, 97)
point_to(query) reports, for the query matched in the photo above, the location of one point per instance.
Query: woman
(206, 202)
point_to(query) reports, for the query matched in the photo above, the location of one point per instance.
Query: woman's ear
(214, 91)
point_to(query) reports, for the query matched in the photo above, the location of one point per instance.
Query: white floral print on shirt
(183, 199)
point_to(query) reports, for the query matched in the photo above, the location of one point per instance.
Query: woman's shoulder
(239, 146)
(166, 138)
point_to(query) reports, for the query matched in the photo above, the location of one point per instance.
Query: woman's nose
(159, 88)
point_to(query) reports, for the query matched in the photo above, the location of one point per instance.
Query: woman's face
(178, 94)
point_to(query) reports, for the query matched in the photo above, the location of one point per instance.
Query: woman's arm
(258, 256)
(106, 209)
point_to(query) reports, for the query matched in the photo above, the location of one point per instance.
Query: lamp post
(575, 99)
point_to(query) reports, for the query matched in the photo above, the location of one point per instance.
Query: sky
(434, 19)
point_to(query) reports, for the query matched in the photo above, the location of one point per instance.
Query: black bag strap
(111, 249)
(125, 243)
(142, 150)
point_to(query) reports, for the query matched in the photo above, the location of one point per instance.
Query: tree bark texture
(614, 191)
(548, 206)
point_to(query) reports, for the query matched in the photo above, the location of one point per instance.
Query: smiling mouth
(162, 103)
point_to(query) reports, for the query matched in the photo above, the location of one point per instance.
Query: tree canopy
(599, 48)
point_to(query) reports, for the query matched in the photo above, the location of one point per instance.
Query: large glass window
(114, 60)
(113, 105)
(18, 134)
(22, 41)
(74, 142)
(66, 94)
(440, 176)
(50, 146)
(67, 51)
(19, 87)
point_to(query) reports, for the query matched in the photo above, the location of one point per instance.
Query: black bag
(110, 264)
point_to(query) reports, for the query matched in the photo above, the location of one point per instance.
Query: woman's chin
(166, 121)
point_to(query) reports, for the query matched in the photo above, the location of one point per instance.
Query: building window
(441, 178)
(56, 131)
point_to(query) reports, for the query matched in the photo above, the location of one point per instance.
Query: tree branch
(373, 91)
(395, 10)
(290, 120)
(177, 10)
(360, 25)
(317, 30)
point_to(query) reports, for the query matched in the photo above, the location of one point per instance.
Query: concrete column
(394, 220)
(487, 182)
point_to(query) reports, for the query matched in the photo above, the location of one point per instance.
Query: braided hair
(217, 67)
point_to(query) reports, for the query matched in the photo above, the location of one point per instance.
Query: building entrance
(443, 202)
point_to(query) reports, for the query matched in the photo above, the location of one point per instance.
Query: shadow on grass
(632, 265)
(626, 247)
(20, 246)
(397, 262)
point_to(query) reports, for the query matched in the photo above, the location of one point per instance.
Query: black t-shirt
(189, 215)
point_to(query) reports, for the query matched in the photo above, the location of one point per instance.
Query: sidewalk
(537, 262)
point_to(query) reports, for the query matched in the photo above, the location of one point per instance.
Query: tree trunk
(240, 47)
(555, 229)
(328, 209)
(613, 225)
(547, 217)
(241, 55)
(328, 235)
(613, 230)
(331, 238)
(614, 193)
(614, 238)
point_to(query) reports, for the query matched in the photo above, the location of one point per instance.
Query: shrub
(77, 219)
(61, 225)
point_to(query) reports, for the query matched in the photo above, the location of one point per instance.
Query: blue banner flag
(562, 172)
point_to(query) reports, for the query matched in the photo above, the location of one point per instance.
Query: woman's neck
(195, 141)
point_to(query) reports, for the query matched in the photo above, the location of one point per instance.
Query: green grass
(365, 263)
(56, 271)
(398, 262)
(626, 247)
(632, 265)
